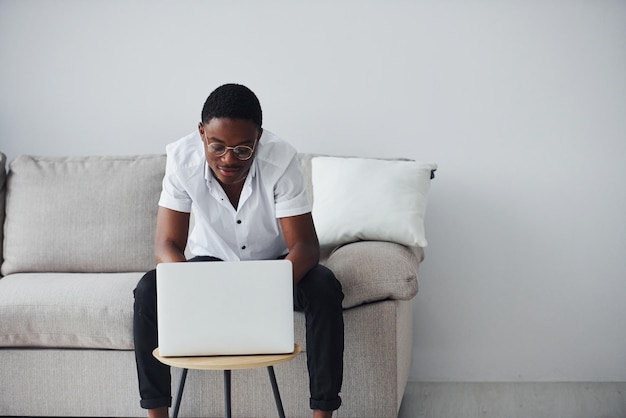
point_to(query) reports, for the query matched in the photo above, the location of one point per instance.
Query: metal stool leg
(279, 402)
(227, 393)
(179, 397)
(227, 401)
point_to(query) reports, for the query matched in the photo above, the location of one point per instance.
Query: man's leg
(319, 295)
(154, 377)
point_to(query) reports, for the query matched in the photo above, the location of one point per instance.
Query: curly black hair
(233, 101)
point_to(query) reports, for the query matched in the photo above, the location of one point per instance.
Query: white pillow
(368, 199)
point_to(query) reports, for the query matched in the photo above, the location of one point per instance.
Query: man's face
(224, 132)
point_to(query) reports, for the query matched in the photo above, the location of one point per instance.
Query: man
(248, 197)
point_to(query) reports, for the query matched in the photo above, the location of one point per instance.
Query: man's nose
(229, 157)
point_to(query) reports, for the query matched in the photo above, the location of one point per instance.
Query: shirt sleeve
(173, 194)
(290, 194)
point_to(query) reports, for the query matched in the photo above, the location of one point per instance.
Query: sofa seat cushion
(88, 310)
(371, 271)
(95, 310)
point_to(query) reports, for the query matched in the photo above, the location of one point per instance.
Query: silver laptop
(225, 308)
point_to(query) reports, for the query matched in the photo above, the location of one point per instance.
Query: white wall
(521, 103)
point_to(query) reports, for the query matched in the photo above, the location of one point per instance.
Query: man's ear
(201, 131)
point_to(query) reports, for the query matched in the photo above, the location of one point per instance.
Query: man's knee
(320, 285)
(146, 287)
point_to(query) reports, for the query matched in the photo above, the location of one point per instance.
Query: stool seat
(227, 364)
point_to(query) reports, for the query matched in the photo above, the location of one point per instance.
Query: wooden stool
(227, 364)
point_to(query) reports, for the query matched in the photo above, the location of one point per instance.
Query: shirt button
(243, 247)
(238, 221)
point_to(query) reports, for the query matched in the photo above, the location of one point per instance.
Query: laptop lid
(225, 308)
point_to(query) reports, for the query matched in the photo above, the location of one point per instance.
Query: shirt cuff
(173, 204)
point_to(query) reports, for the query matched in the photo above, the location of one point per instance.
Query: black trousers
(318, 295)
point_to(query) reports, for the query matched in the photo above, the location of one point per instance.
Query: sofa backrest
(98, 214)
(81, 214)
(84, 214)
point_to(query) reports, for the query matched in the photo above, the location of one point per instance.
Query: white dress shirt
(274, 188)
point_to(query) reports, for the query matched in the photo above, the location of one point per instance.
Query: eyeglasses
(242, 152)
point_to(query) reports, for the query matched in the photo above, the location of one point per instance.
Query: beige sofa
(78, 235)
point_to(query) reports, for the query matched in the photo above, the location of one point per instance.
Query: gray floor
(514, 400)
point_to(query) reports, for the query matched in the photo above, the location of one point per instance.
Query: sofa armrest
(375, 270)
(3, 176)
